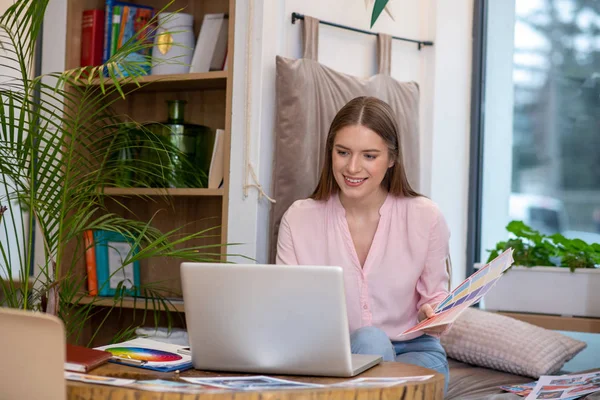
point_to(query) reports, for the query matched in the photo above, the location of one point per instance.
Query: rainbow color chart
(149, 354)
(143, 354)
(469, 292)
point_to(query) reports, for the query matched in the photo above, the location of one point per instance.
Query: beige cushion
(495, 341)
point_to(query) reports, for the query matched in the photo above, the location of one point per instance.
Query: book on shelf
(215, 171)
(124, 21)
(225, 61)
(82, 359)
(211, 46)
(116, 25)
(92, 37)
(108, 19)
(90, 262)
(112, 249)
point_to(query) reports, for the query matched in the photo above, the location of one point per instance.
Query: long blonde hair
(378, 116)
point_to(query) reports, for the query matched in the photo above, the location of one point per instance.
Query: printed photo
(522, 390)
(585, 388)
(567, 381)
(550, 395)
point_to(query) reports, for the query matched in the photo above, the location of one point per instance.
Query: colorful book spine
(123, 21)
(116, 27)
(92, 34)
(108, 17)
(133, 21)
(90, 262)
(121, 28)
(109, 6)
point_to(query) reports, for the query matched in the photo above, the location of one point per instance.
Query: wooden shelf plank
(193, 81)
(127, 302)
(114, 191)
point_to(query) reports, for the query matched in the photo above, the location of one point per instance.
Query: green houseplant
(54, 161)
(531, 248)
(551, 274)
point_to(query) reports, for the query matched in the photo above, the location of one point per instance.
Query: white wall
(442, 71)
(53, 60)
(450, 118)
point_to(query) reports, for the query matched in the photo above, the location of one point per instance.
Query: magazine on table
(565, 386)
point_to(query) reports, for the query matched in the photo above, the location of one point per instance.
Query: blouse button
(365, 307)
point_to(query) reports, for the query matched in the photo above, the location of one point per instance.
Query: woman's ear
(391, 163)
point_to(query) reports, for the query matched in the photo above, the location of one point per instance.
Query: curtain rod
(296, 16)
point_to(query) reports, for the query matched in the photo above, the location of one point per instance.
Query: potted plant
(551, 275)
(54, 161)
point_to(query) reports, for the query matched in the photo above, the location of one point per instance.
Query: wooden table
(432, 389)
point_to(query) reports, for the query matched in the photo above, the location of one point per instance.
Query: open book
(469, 292)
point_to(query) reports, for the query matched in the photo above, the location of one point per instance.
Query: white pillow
(499, 342)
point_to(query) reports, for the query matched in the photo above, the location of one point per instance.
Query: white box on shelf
(547, 290)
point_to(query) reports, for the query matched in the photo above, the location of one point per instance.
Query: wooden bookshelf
(114, 191)
(128, 302)
(152, 83)
(209, 102)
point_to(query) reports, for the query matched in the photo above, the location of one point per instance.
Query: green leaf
(531, 248)
(377, 10)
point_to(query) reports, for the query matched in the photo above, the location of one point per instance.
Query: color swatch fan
(142, 354)
(149, 354)
(469, 292)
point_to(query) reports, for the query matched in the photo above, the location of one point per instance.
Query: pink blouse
(404, 269)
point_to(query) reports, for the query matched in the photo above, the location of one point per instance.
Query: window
(537, 119)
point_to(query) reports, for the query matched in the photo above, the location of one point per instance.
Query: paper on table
(161, 385)
(469, 292)
(259, 382)
(96, 379)
(381, 381)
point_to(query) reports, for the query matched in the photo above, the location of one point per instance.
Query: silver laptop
(33, 356)
(274, 319)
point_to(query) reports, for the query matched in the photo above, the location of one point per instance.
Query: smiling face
(363, 153)
(360, 159)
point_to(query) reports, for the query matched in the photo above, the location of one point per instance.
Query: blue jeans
(425, 351)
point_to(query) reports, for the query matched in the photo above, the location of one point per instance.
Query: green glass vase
(176, 153)
(121, 146)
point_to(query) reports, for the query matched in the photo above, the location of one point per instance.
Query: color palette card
(469, 292)
(149, 354)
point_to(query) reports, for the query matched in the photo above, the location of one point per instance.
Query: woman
(391, 241)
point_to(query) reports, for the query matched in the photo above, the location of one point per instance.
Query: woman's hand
(425, 312)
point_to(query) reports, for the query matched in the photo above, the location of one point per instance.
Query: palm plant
(54, 157)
